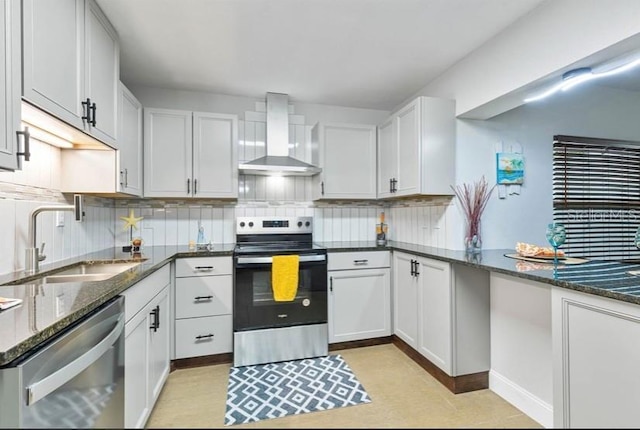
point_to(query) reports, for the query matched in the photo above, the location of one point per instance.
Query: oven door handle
(269, 260)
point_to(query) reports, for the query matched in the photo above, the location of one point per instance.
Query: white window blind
(596, 195)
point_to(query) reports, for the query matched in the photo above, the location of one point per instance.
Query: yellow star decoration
(131, 220)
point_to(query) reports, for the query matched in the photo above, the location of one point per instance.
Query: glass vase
(472, 238)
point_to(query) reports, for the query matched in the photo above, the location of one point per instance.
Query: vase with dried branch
(473, 199)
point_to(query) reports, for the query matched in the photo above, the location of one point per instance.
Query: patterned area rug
(291, 387)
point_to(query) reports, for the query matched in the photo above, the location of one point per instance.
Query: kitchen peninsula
(533, 309)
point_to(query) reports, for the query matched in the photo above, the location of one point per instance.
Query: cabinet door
(10, 82)
(136, 363)
(387, 157)
(167, 153)
(405, 296)
(129, 142)
(434, 312)
(348, 161)
(102, 73)
(596, 355)
(408, 135)
(53, 54)
(359, 304)
(159, 329)
(215, 155)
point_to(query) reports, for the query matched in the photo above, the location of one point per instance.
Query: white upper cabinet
(416, 150)
(215, 155)
(102, 73)
(129, 142)
(387, 158)
(10, 83)
(189, 154)
(71, 64)
(167, 153)
(347, 156)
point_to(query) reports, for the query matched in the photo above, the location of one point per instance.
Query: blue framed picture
(510, 168)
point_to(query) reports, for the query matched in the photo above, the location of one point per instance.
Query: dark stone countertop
(602, 278)
(48, 309)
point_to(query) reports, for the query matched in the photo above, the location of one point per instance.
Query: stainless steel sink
(94, 271)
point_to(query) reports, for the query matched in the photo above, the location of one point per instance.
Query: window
(596, 195)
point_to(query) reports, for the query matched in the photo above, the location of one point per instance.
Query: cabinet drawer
(203, 336)
(139, 294)
(201, 296)
(203, 266)
(357, 260)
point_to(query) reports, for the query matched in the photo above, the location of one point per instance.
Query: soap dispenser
(201, 241)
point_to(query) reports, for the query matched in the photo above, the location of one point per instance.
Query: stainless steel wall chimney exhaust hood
(277, 162)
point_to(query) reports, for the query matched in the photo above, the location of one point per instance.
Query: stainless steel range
(266, 330)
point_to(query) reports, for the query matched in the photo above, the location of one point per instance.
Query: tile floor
(402, 393)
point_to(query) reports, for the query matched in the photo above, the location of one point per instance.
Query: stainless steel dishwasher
(75, 380)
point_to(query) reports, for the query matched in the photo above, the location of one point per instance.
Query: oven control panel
(274, 225)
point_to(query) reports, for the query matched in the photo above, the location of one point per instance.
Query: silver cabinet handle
(43, 387)
(27, 140)
(360, 262)
(204, 268)
(204, 337)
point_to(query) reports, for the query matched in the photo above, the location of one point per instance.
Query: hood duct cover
(277, 160)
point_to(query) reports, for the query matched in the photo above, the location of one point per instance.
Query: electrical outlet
(60, 308)
(59, 219)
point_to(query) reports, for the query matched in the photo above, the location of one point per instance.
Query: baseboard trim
(203, 360)
(360, 343)
(533, 406)
(455, 384)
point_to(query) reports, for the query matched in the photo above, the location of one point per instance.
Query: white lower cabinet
(203, 312)
(405, 298)
(147, 331)
(434, 312)
(359, 295)
(442, 311)
(596, 376)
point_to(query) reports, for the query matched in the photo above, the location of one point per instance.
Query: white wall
(556, 36)
(220, 103)
(521, 345)
(592, 111)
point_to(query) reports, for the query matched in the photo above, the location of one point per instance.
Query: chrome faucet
(34, 255)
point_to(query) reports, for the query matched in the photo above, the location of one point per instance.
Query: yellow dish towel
(284, 277)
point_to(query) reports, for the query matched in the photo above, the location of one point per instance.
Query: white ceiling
(357, 53)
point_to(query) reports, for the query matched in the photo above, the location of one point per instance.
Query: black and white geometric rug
(291, 387)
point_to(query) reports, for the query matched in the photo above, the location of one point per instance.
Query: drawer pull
(208, 298)
(204, 336)
(360, 262)
(204, 268)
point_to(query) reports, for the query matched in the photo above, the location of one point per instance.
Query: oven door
(254, 305)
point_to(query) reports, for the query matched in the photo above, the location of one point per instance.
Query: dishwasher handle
(52, 382)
